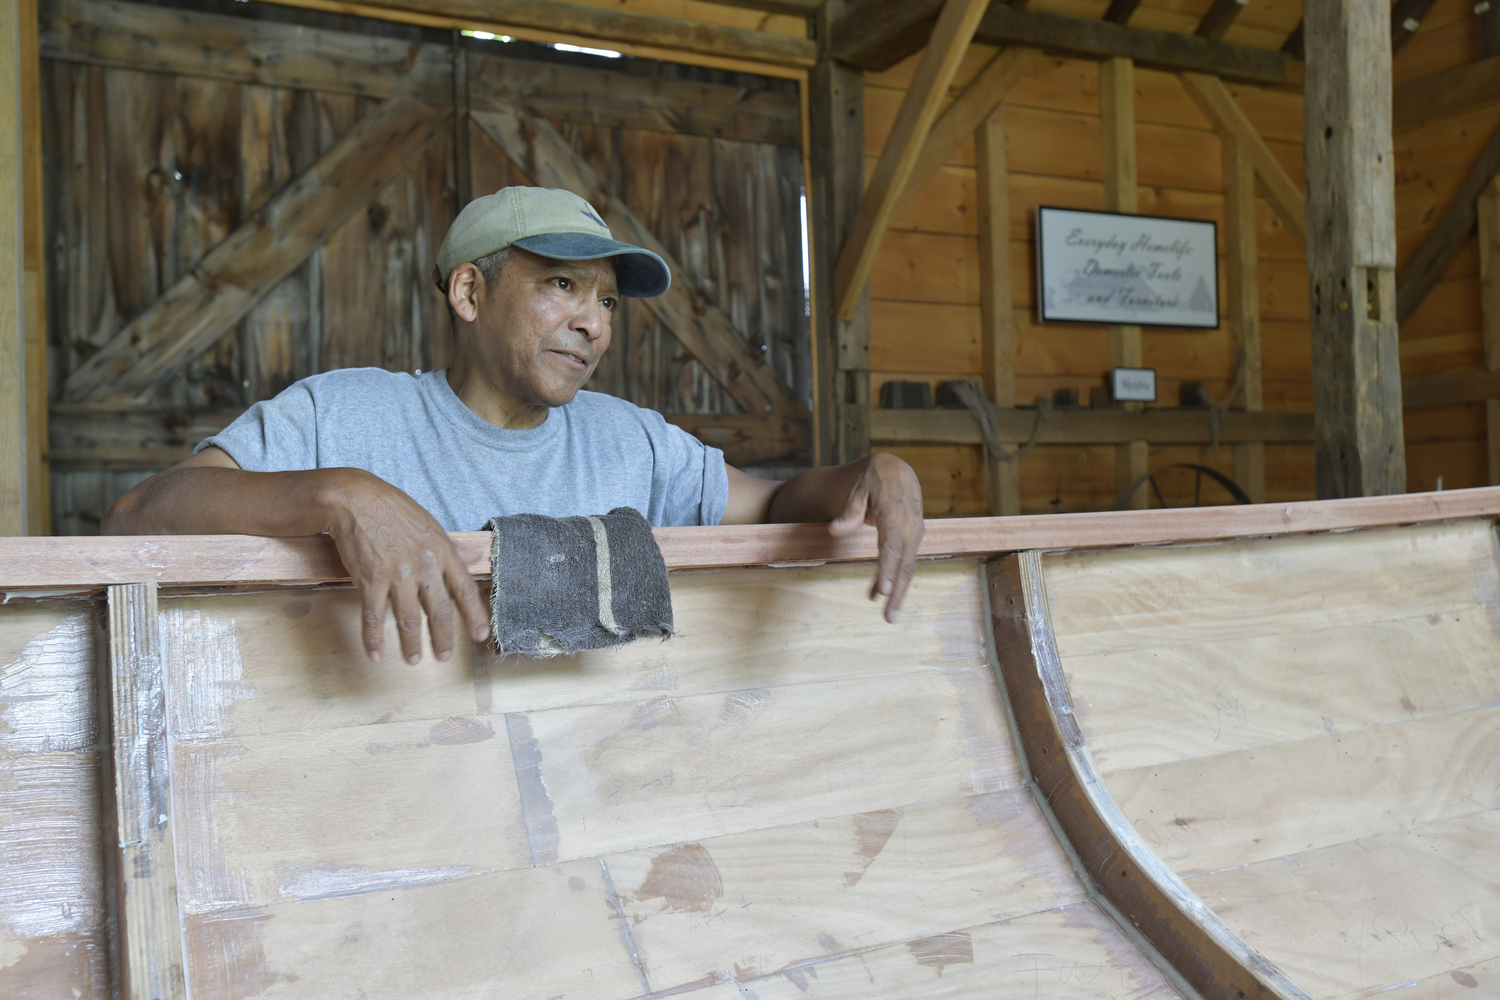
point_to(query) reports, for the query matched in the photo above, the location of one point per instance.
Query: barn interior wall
(149, 170)
(925, 289)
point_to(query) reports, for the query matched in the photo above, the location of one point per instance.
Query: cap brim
(641, 273)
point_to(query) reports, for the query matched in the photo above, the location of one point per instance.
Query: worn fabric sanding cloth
(562, 584)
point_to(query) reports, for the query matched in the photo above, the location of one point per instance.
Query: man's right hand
(396, 552)
(400, 557)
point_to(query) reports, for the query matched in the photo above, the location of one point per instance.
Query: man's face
(545, 324)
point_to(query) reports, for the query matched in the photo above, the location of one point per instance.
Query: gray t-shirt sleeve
(274, 435)
(689, 481)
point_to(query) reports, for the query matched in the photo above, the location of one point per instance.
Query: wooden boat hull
(206, 790)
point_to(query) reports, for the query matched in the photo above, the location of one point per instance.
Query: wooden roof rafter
(877, 34)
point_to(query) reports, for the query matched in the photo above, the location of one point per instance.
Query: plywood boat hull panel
(1307, 732)
(1255, 767)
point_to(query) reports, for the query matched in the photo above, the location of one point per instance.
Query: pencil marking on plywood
(536, 804)
(684, 878)
(328, 881)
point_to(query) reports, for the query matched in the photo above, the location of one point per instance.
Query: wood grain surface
(1305, 730)
(753, 805)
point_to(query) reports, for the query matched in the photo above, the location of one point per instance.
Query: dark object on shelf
(1064, 396)
(906, 396)
(947, 396)
(1100, 399)
(1192, 396)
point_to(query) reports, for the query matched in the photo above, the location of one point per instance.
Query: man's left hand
(888, 496)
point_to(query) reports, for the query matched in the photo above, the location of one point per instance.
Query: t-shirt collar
(435, 386)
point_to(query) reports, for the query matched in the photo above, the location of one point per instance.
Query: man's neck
(489, 403)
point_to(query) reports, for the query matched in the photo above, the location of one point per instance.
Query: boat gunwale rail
(83, 563)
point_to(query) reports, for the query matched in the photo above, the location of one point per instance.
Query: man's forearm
(213, 501)
(816, 495)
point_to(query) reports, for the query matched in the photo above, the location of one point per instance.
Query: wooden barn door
(242, 195)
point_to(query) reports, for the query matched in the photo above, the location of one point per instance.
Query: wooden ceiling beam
(219, 289)
(576, 20)
(1418, 102)
(1120, 11)
(877, 34)
(1169, 50)
(789, 8)
(704, 329)
(1219, 18)
(919, 109)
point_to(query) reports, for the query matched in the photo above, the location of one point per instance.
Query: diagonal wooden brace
(205, 303)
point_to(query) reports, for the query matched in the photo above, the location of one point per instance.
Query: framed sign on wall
(1140, 270)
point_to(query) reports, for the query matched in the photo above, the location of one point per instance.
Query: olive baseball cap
(553, 223)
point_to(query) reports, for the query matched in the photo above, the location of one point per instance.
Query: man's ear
(465, 287)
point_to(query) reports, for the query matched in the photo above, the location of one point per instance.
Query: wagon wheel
(1199, 471)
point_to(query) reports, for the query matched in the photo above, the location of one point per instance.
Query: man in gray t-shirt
(387, 463)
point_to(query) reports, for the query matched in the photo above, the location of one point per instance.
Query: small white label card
(1141, 270)
(1134, 385)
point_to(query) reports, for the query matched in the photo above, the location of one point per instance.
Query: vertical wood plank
(837, 120)
(1489, 293)
(38, 499)
(12, 283)
(1351, 250)
(150, 936)
(997, 320)
(1242, 270)
(1117, 120)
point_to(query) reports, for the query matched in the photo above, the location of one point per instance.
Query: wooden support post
(1243, 300)
(12, 282)
(997, 322)
(1351, 249)
(150, 935)
(1489, 292)
(837, 122)
(1117, 119)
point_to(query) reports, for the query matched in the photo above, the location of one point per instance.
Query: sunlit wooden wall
(925, 290)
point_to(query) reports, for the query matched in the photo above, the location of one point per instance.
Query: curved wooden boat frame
(1189, 935)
